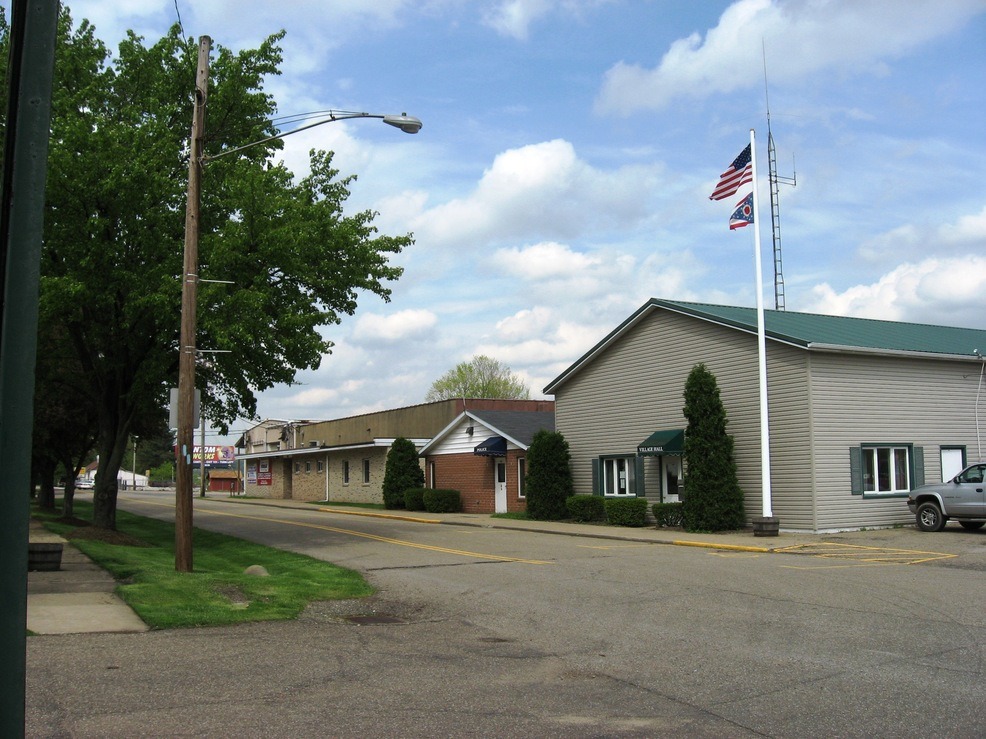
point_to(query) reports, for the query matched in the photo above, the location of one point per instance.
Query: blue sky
(569, 147)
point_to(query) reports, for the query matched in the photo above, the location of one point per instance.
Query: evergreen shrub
(403, 471)
(668, 514)
(414, 499)
(549, 476)
(626, 511)
(586, 507)
(442, 501)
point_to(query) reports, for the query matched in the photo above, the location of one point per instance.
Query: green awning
(671, 441)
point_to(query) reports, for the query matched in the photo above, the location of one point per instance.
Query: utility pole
(186, 348)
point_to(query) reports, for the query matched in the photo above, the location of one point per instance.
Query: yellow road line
(865, 554)
(364, 535)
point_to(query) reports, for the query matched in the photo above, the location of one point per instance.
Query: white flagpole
(761, 342)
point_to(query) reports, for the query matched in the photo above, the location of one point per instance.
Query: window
(886, 469)
(345, 472)
(618, 476)
(366, 472)
(431, 476)
(308, 467)
(297, 466)
(522, 477)
(320, 466)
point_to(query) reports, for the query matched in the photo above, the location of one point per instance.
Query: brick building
(483, 455)
(343, 460)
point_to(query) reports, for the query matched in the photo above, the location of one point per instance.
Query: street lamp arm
(408, 124)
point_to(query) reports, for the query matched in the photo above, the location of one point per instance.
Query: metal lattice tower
(775, 217)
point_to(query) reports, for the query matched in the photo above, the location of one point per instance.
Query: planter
(766, 526)
(44, 556)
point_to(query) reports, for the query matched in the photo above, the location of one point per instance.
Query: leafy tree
(713, 500)
(481, 377)
(549, 476)
(114, 234)
(403, 472)
(65, 421)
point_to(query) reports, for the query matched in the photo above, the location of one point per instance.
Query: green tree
(403, 471)
(65, 422)
(713, 500)
(481, 377)
(114, 234)
(549, 476)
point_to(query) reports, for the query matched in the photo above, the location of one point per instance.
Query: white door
(951, 463)
(500, 497)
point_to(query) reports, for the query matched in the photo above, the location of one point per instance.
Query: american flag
(743, 215)
(739, 173)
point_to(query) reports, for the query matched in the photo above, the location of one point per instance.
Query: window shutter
(596, 490)
(640, 490)
(856, 469)
(918, 460)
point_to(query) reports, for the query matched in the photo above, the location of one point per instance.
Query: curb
(491, 524)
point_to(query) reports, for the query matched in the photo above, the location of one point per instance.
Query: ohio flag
(743, 215)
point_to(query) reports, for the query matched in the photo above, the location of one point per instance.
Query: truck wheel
(929, 517)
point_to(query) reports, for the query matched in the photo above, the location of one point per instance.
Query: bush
(586, 507)
(668, 514)
(402, 472)
(626, 511)
(414, 499)
(549, 477)
(714, 501)
(442, 501)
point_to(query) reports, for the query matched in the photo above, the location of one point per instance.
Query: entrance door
(500, 491)
(951, 463)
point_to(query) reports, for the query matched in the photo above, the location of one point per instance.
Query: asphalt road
(479, 631)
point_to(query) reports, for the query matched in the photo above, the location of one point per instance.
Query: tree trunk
(46, 493)
(111, 450)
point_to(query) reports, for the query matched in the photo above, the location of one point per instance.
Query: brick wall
(473, 476)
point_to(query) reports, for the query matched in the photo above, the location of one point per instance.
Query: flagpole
(761, 343)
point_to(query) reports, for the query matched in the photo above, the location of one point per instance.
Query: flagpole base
(766, 526)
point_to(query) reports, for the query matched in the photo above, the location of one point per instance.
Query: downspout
(326, 477)
(979, 390)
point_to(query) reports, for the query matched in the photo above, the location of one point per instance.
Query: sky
(562, 175)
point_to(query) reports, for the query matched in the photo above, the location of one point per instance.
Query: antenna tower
(775, 202)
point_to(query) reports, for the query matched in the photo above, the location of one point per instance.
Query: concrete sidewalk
(76, 599)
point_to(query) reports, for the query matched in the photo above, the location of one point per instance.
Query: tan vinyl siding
(637, 386)
(884, 400)
(791, 459)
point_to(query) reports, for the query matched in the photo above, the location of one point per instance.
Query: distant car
(84, 484)
(962, 498)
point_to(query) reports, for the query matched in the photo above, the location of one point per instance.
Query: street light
(190, 279)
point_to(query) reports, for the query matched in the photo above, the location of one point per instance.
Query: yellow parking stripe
(364, 535)
(863, 554)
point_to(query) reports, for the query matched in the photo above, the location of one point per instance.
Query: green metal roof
(810, 331)
(807, 329)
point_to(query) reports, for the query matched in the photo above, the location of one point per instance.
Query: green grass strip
(217, 592)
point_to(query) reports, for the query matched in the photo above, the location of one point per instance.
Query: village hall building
(861, 411)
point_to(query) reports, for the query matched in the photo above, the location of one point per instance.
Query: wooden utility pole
(186, 348)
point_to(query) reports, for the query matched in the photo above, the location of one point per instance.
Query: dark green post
(25, 157)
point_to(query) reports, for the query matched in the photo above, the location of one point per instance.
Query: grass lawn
(141, 556)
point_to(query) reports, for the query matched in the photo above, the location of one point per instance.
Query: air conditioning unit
(313, 444)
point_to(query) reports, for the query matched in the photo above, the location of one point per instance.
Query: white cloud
(943, 291)
(911, 241)
(801, 37)
(513, 18)
(541, 189)
(405, 325)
